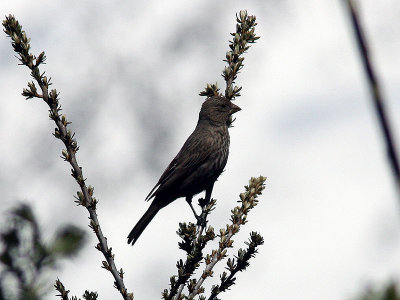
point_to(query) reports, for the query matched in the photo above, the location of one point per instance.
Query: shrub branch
(194, 243)
(21, 45)
(242, 37)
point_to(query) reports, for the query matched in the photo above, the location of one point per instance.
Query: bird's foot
(203, 202)
(201, 220)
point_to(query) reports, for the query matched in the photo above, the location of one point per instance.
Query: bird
(197, 165)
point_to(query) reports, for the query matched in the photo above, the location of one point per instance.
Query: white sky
(129, 74)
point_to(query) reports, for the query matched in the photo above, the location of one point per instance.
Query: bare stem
(21, 45)
(375, 89)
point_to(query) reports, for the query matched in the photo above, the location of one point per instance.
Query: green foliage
(25, 256)
(388, 292)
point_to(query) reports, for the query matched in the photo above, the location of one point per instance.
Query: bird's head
(217, 109)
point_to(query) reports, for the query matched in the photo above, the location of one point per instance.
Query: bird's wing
(167, 173)
(193, 154)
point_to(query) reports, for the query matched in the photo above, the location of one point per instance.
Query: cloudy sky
(129, 73)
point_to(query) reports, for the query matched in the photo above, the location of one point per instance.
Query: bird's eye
(223, 105)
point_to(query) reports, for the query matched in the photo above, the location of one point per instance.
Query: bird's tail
(143, 222)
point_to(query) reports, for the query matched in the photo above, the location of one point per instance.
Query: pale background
(129, 73)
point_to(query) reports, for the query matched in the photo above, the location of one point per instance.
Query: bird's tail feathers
(142, 224)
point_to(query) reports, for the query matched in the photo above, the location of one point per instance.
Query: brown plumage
(197, 165)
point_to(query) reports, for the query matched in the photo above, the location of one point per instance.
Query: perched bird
(197, 165)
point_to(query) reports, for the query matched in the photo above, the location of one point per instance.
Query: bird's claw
(203, 202)
(201, 220)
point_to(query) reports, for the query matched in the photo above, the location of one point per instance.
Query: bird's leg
(208, 193)
(207, 198)
(189, 201)
(200, 220)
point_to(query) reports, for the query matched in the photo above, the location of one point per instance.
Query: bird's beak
(234, 108)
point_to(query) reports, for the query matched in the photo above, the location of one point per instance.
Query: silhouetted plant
(25, 256)
(389, 291)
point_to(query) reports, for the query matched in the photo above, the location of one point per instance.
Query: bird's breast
(221, 152)
(215, 148)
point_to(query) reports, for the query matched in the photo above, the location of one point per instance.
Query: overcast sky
(129, 73)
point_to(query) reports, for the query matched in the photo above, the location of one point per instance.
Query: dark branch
(375, 90)
(21, 45)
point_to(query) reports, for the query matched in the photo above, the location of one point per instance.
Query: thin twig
(238, 218)
(375, 89)
(59, 286)
(205, 210)
(21, 45)
(193, 243)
